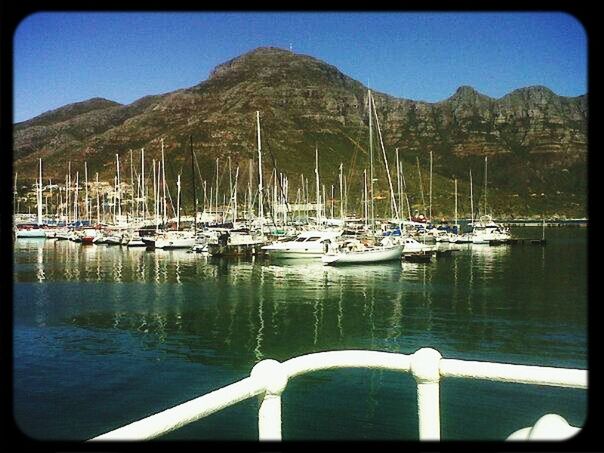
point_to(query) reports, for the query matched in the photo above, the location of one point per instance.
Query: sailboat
(486, 231)
(354, 251)
(33, 230)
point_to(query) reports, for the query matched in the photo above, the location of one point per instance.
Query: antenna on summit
(290, 47)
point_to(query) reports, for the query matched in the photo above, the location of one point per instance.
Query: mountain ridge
(538, 137)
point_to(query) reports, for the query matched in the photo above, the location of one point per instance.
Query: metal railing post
(425, 369)
(274, 378)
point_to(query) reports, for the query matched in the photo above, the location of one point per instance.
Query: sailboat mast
(317, 180)
(216, 192)
(392, 197)
(75, 198)
(155, 190)
(430, 215)
(143, 183)
(118, 190)
(86, 189)
(456, 227)
(260, 208)
(163, 170)
(471, 197)
(249, 190)
(371, 161)
(178, 203)
(67, 193)
(485, 185)
(39, 196)
(98, 212)
(235, 196)
(15, 195)
(194, 187)
(366, 206)
(341, 193)
(398, 182)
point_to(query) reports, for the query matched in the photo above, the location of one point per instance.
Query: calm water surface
(105, 335)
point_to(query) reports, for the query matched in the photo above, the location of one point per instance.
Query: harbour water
(105, 335)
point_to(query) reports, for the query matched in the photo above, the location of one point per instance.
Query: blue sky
(61, 58)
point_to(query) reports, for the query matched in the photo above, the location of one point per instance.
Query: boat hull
(377, 255)
(33, 233)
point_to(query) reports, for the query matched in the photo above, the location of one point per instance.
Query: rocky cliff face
(536, 141)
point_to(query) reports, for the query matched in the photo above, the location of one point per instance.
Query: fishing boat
(308, 244)
(353, 251)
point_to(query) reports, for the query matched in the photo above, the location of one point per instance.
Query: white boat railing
(269, 379)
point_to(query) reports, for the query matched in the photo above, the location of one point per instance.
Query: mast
(67, 196)
(15, 210)
(485, 185)
(143, 183)
(118, 189)
(163, 170)
(178, 203)
(341, 194)
(86, 188)
(456, 227)
(134, 205)
(260, 208)
(235, 196)
(39, 196)
(249, 191)
(155, 197)
(421, 185)
(398, 182)
(366, 206)
(371, 161)
(75, 197)
(471, 198)
(98, 212)
(317, 180)
(194, 187)
(392, 197)
(216, 191)
(430, 216)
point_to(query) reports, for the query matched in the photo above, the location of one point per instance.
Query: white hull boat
(30, 233)
(368, 255)
(309, 244)
(174, 240)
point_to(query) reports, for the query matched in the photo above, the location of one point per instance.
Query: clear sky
(61, 58)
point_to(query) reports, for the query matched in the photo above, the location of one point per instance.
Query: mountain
(535, 140)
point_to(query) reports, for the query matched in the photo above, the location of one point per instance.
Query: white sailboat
(486, 231)
(34, 230)
(354, 252)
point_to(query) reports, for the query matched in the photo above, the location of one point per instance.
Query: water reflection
(211, 310)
